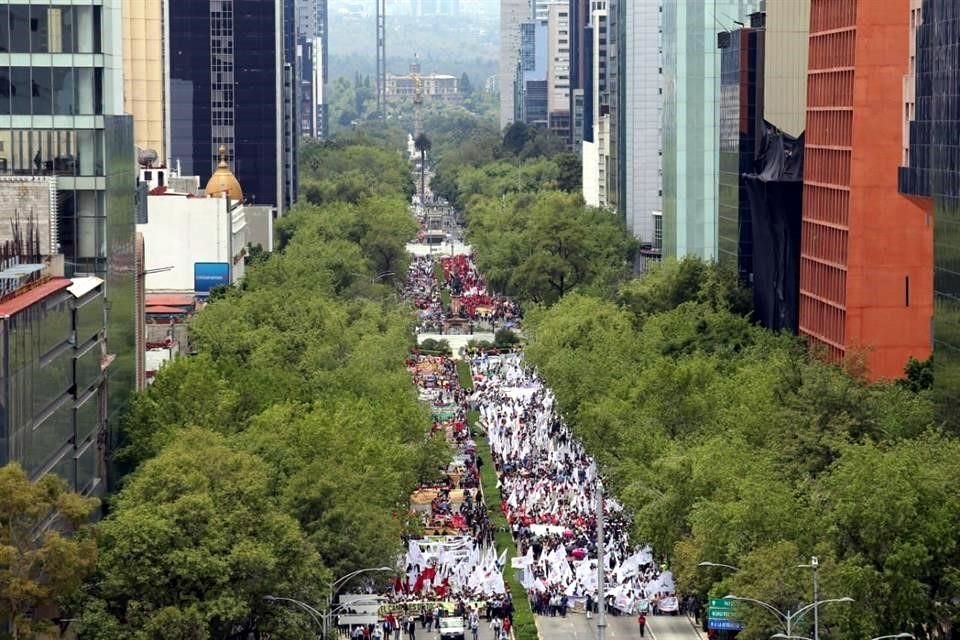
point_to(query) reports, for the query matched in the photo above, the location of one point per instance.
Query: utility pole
(601, 569)
(381, 58)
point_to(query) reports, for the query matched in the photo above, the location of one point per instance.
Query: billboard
(210, 275)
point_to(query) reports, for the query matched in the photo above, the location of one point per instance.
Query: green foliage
(285, 451)
(194, 543)
(918, 375)
(731, 444)
(38, 564)
(539, 247)
(351, 172)
(505, 338)
(436, 347)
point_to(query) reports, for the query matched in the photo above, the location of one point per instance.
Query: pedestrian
(495, 626)
(411, 628)
(474, 623)
(642, 623)
(436, 617)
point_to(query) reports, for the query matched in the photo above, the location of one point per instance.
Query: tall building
(762, 119)
(558, 69)
(691, 71)
(313, 67)
(740, 119)
(231, 82)
(512, 13)
(579, 74)
(615, 99)
(596, 138)
(866, 251)
(144, 60)
(532, 88)
(62, 123)
(931, 175)
(642, 87)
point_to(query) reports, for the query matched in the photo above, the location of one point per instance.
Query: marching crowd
(549, 486)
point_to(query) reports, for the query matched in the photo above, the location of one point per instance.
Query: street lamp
(336, 584)
(717, 564)
(903, 634)
(316, 615)
(788, 618)
(814, 564)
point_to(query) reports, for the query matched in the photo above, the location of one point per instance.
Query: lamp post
(788, 618)
(814, 564)
(316, 615)
(601, 569)
(902, 634)
(339, 582)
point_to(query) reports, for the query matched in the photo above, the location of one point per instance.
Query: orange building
(866, 259)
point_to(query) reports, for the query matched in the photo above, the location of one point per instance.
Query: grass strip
(524, 627)
(463, 375)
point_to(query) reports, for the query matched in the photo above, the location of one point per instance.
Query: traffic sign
(724, 625)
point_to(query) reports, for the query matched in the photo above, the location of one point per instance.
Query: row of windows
(830, 89)
(819, 319)
(51, 91)
(827, 166)
(831, 50)
(824, 281)
(826, 204)
(824, 243)
(832, 14)
(62, 152)
(46, 29)
(830, 128)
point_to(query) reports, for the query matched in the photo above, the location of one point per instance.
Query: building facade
(691, 70)
(61, 117)
(512, 13)
(866, 251)
(931, 177)
(741, 87)
(144, 61)
(312, 20)
(53, 418)
(643, 96)
(230, 82)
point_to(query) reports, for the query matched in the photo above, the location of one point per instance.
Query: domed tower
(223, 183)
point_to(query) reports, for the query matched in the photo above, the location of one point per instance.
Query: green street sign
(720, 609)
(720, 603)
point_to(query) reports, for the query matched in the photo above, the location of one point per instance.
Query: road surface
(576, 627)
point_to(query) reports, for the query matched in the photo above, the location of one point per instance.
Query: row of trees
(730, 444)
(733, 445)
(278, 457)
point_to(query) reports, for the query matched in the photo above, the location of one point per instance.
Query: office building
(231, 82)
(739, 112)
(596, 139)
(532, 91)
(512, 13)
(760, 232)
(579, 70)
(691, 70)
(866, 251)
(313, 67)
(53, 417)
(144, 60)
(61, 117)
(558, 69)
(931, 176)
(642, 90)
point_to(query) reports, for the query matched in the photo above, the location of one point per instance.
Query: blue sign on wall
(210, 275)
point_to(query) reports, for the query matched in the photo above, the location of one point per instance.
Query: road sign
(724, 625)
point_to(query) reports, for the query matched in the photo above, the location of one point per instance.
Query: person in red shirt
(642, 623)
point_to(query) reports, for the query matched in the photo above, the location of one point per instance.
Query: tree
(466, 87)
(37, 570)
(515, 138)
(192, 546)
(422, 144)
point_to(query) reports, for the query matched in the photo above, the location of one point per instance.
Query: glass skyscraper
(691, 81)
(227, 58)
(61, 116)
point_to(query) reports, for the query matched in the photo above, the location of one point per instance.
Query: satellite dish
(146, 157)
